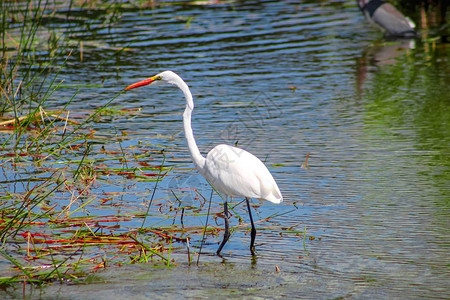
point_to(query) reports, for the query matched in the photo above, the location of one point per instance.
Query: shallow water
(283, 79)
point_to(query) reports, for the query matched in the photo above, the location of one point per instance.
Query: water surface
(283, 79)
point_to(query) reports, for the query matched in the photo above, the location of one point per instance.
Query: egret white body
(233, 172)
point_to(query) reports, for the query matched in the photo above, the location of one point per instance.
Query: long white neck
(197, 158)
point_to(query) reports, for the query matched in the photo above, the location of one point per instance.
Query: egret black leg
(253, 232)
(226, 235)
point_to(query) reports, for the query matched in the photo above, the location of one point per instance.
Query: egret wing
(236, 172)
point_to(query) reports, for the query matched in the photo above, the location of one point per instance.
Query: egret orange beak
(142, 83)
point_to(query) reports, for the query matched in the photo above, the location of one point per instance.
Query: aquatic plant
(52, 162)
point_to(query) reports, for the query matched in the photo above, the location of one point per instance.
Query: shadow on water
(367, 216)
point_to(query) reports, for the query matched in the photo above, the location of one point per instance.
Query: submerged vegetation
(54, 166)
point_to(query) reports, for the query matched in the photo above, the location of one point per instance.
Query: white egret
(231, 171)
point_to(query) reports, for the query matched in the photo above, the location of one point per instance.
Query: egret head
(166, 77)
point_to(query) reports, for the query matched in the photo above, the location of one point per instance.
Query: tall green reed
(31, 61)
